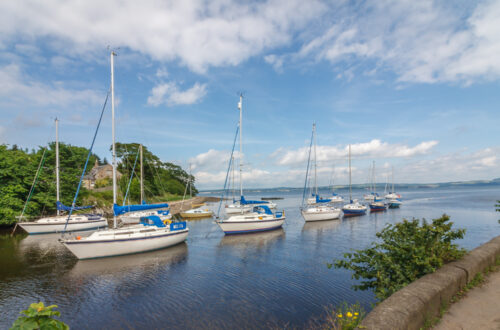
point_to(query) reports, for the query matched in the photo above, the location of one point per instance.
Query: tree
(406, 252)
(160, 177)
(18, 169)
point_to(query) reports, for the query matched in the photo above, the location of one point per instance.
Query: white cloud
(169, 94)
(421, 41)
(19, 88)
(199, 33)
(373, 149)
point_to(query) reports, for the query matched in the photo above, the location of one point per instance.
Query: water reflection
(253, 240)
(321, 226)
(141, 264)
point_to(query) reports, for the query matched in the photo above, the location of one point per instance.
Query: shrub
(40, 317)
(406, 252)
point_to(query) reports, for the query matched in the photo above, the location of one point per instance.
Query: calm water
(249, 281)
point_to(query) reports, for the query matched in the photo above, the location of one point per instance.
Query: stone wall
(411, 306)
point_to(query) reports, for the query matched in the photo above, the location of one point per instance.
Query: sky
(411, 85)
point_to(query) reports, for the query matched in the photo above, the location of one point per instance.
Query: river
(271, 279)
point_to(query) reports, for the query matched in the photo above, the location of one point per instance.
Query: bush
(406, 252)
(40, 317)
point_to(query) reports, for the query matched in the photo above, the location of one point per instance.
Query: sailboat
(132, 217)
(150, 234)
(354, 208)
(372, 195)
(197, 212)
(318, 211)
(261, 218)
(393, 199)
(377, 205)
(77, 222)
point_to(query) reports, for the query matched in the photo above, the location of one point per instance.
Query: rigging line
(86, 163)
(307, 170)
(228, 169)
(131, 177)
(35, 180)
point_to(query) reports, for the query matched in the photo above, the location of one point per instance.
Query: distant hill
(380, 186)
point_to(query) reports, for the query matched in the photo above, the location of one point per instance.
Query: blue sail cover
(262, 208)
(321, 200)
(62, 207)
(117, 209)
(243, 201)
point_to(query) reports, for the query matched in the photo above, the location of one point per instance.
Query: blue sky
(414, 85)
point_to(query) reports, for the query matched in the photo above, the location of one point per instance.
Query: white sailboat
(318, 211)
(158, 209)
(151, 234)
(377, 205)
(354, 208)
(56, 224)
(393, 199)
(261, 218)
(197, 212)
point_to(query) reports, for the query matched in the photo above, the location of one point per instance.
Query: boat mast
(112, 55)
(232, 165)
(241, 145)
(350, 183)
(373, 179)
(57, 162)
(142, 180)
(393, 179)
(315, 162)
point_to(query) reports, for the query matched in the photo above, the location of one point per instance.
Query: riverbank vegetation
(405, 252)
(163, 181)
(39, 316)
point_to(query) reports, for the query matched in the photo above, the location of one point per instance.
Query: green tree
(407, 251)
(17, 171)
(160, 177)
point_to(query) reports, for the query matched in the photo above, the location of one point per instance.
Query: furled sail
(117, 209)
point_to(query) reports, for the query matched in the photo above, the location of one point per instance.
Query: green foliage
(38, 316)
(160, 177)
(103, 182)
(497, 205)
(18, 169)
(345, 317)
(406, 252)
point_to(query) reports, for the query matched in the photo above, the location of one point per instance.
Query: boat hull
(238, 210)
(108, 248)
(353, 213)
(196, 215)
(243, 227)
(34, 228)
(320, 216)
(377, 208)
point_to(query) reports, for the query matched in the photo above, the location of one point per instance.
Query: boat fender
(167, 221)
(260, 218)
(78, 237)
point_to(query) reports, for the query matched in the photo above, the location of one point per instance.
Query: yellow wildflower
(356, 313)
(40, 309)
(349, 314)
(354, 317)
(339, 315)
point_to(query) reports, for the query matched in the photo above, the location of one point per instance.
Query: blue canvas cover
(178, 225)
(152, 220)
(118, 210)
(61, 207)
(262, 209)
(321, 200)
(243, 201)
